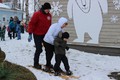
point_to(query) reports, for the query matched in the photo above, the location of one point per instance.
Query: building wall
(6, 0)
(99, 24)
(6, 14)
(110, 33)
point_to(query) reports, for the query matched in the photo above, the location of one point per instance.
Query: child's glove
(29, 37)
(67, 48)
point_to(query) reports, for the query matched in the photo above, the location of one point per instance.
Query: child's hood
(60, 34)
(62, 20)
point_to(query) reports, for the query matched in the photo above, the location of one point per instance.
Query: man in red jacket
(38, 26)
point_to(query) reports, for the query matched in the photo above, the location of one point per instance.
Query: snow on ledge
(4, 6)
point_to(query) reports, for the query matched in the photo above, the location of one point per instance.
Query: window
(3, 18)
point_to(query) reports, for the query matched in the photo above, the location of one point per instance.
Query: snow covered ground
(86, 65)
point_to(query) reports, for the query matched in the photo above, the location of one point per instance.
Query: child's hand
(65, 39)
(67, 48)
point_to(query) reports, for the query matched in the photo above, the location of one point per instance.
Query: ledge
(97, 49)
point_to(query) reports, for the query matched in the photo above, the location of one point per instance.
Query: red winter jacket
(39, 23)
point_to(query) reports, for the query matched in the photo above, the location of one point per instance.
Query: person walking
(38, 26)
(18, 31)
(0, 28)
(10, 28)
(49, 40)
(17, 28)
(3, 30)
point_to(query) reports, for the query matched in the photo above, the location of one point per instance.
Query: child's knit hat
(65, 35)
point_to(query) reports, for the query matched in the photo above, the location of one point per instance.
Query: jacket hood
(62, 20)
(60, 34)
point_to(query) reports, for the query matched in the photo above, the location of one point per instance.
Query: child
(3, 33)
(60, 44)
(0, 31)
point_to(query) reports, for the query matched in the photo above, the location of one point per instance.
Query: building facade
(6, 12)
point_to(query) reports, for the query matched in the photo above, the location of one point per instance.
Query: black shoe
(69, 72)
(37, 66)
(51, 66)
(60, 70)
(47, 69)
(57, 74)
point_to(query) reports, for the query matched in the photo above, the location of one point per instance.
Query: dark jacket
(60, 45)
(11, 25)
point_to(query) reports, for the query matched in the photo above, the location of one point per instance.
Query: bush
(9, 71)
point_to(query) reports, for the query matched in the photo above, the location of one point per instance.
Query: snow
(88, 66)
(4, 6)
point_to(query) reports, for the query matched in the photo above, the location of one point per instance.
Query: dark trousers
(49, 53)
(58, 59)
(38, 40)
(12, 33)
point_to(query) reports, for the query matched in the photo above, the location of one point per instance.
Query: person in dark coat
(3, 33)
(10, 26)
(60, 45)
(38, 26)
(13, 27)
(0, 31)
(0, 28)
(22, 26)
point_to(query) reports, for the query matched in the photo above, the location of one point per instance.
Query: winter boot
(37, 66)
(57, 73)
(69, 72)
(60, 70)
(48, 68)
(51, 66)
